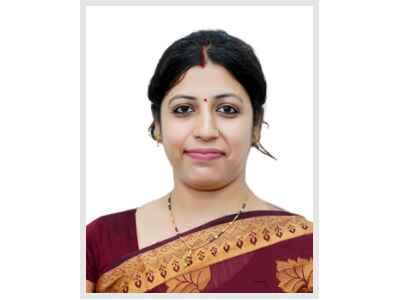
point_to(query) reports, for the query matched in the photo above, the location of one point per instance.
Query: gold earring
(157, 136)
(256, 139)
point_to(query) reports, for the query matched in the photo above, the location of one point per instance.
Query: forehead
(207, 81)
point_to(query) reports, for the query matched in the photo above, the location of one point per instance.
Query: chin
(207, 186)
(207, 180)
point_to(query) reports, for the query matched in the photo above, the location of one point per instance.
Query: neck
(192, 207)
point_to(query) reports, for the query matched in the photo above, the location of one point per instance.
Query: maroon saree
(264, 252)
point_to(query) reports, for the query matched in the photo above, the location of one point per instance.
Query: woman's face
(208, 108)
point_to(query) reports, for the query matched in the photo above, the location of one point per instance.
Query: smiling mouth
(204, 156)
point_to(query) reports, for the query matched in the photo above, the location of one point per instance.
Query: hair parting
(203, 55)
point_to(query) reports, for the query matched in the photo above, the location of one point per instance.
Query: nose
(205, 128)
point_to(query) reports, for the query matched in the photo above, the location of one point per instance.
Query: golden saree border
(295, 275)
(156, 266)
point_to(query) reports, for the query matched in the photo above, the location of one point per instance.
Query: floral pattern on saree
(193, 282)
(295, 276)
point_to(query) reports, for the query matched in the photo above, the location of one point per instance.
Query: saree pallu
(263, 252)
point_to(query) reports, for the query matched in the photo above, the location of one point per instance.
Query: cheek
(174, 140)
(238, 135)
(239, 146)
(239, 139)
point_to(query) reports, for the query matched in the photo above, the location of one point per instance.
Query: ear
(157, 129)
(256, 134)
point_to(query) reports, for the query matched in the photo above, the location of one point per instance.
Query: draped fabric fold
(264, 252)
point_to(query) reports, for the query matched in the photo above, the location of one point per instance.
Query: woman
(211, 233)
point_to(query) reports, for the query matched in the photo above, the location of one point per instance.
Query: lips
(204, 153)
(204, 150)
(204, 156)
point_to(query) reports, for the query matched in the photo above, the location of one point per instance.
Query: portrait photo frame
(121, 43)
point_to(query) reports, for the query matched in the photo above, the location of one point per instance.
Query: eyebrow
(216, 97)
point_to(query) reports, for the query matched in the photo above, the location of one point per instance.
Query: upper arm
(92, 247)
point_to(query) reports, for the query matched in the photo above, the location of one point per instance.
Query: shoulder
(287, 236)
(111, 222)
(256, 203)
(289, 230)
(263, 205)
(108, 238)
(111, 218)
(296, 236)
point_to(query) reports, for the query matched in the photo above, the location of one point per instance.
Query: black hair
(220, 48)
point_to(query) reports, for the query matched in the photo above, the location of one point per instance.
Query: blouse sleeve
(92, 251)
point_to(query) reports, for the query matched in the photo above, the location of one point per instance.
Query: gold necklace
(212, 238)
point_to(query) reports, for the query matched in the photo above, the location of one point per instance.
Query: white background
(359, 147)
(125, 168)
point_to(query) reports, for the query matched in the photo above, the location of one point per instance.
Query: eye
(178, 110)
(229, 110)
(184, 110)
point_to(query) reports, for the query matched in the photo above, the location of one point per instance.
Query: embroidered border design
(154, 267)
